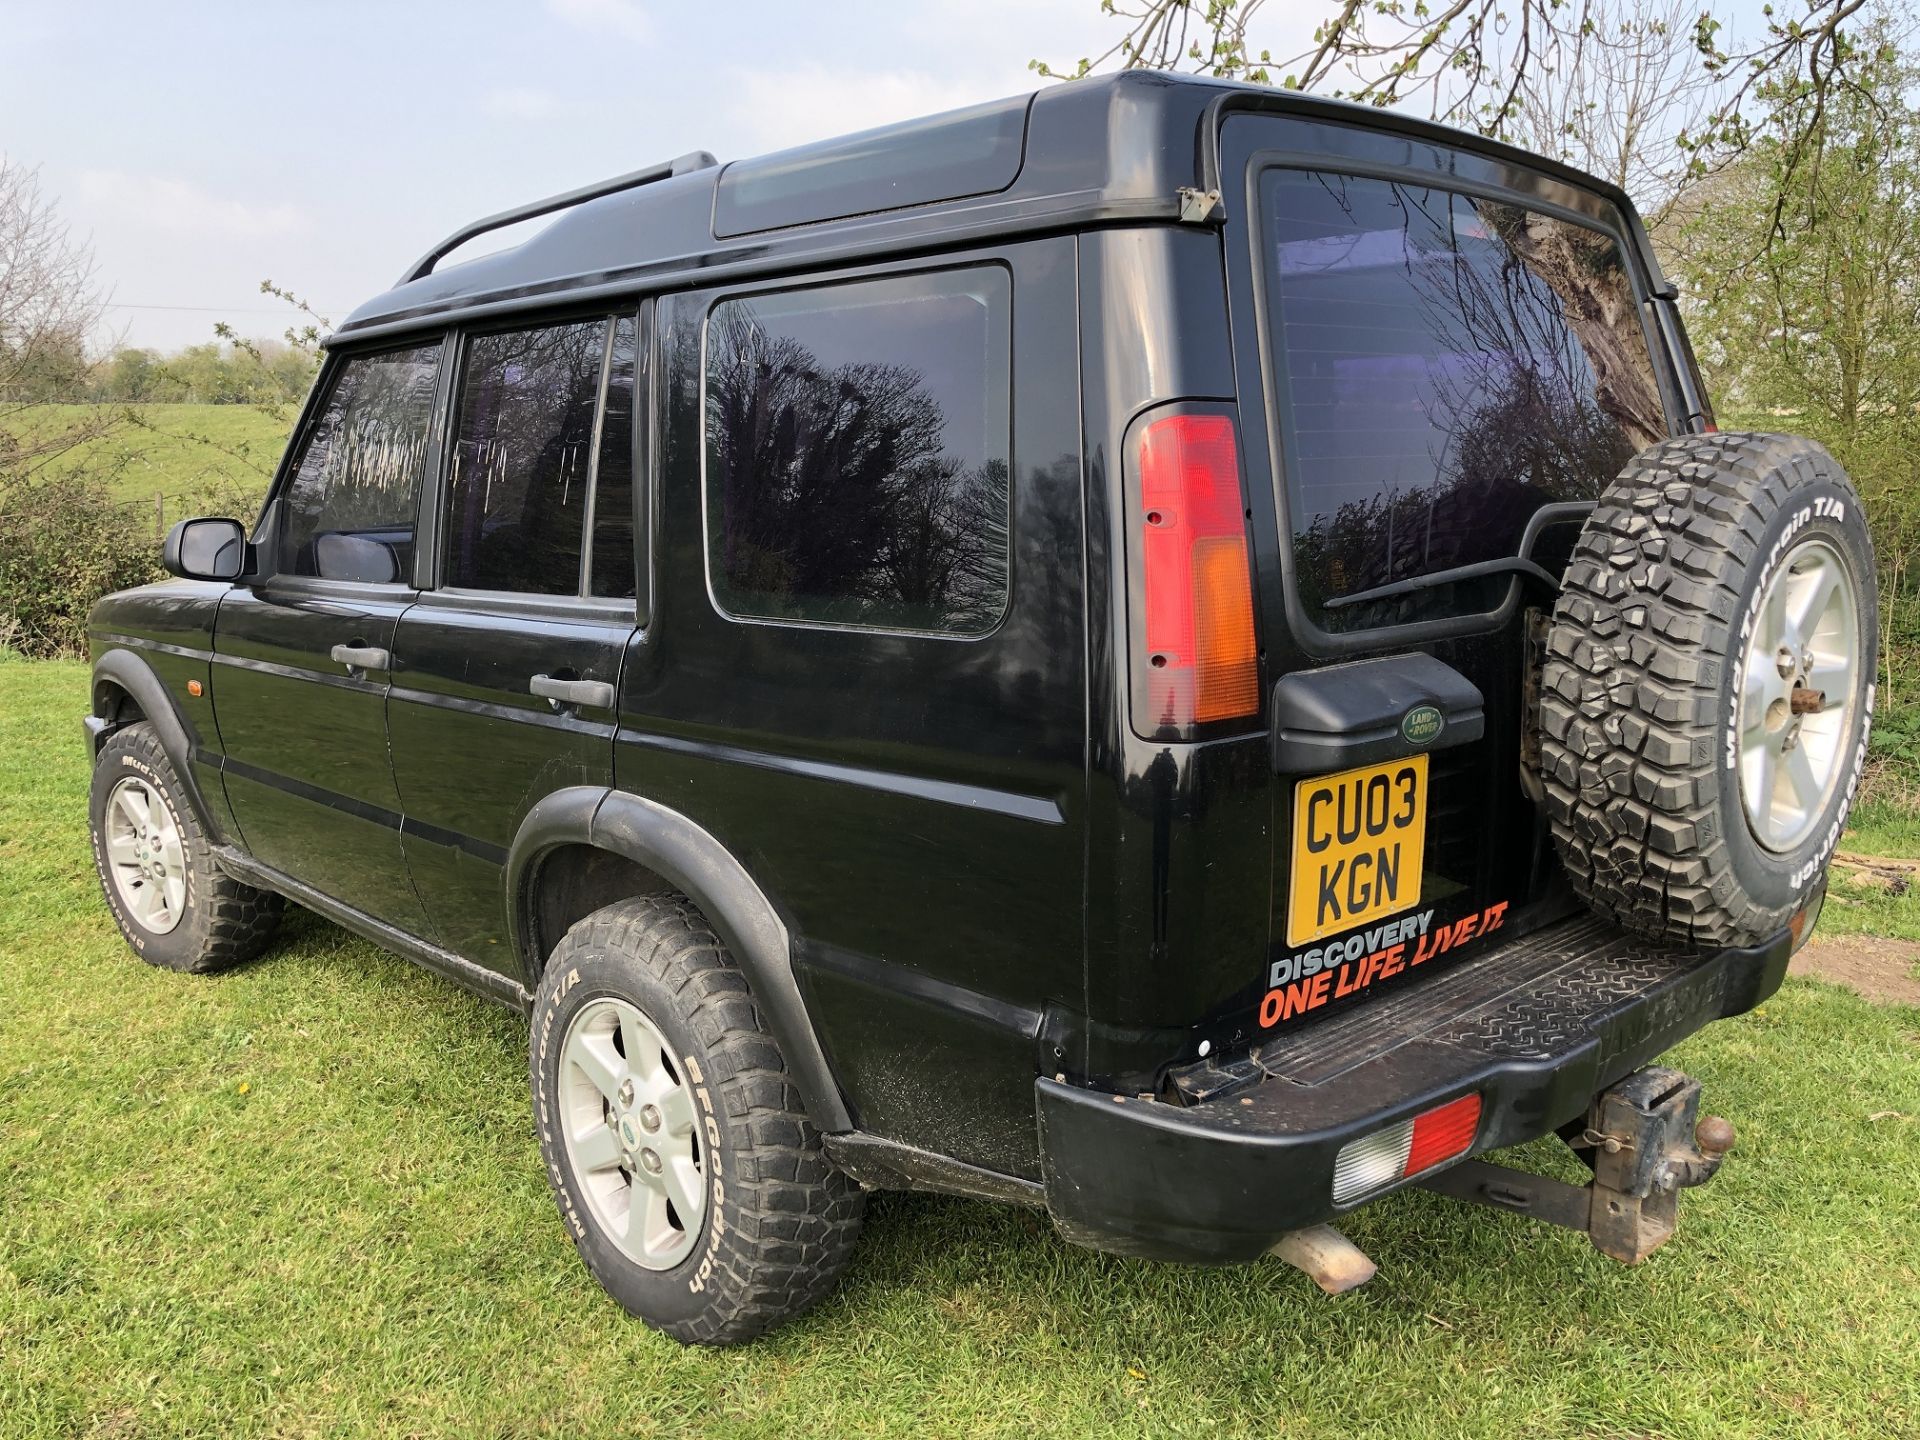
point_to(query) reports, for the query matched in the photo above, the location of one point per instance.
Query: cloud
(180, 207)
(617, 17)
(522, 102)
(793, 105)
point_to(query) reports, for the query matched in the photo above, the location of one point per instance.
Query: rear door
(1453, 360)
(865, 673)
(302, 659)
(505, 672)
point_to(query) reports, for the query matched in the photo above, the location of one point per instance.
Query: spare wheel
(1708, 687)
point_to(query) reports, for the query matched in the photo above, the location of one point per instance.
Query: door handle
(362, 657)
(595, 694)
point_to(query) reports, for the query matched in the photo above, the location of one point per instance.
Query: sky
(205, 147)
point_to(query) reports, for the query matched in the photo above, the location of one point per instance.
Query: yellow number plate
(1359, 842)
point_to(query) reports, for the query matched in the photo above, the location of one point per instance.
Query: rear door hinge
(1200, 207)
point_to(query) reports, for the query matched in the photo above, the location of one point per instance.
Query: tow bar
(1644, 1146)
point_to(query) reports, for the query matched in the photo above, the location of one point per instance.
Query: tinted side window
(1449, 364)
(348, 512)
(522, 457)
(857, 451)
(613, 481)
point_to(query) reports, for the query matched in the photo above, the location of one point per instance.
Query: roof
(1115, 149)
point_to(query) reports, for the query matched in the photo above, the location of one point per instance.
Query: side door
(865, 668)
(301, 658)
(505, 672)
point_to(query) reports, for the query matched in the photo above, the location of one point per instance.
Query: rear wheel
(176, 908)
(1709, 688)
(682, 1160)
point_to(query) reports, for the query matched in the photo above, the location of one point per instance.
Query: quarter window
(613, 571)
(858, 453)
(349, 511)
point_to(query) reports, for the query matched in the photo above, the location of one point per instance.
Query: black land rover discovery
(1175, 653)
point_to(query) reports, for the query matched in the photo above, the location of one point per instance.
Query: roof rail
(683, 165)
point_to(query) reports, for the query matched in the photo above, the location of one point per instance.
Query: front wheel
(684, 1166)
(176, 908)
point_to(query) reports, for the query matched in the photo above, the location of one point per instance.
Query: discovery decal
(1310, 980)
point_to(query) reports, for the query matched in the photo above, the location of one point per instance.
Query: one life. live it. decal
(1308, 981)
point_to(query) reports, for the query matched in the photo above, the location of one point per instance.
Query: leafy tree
(1806, 278)
(1805, 286)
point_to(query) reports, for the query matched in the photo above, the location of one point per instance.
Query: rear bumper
(1537, 1027)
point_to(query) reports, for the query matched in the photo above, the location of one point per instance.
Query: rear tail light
(1409, 1148)
(1196, 653)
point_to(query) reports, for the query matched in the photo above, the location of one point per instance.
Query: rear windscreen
(1446, 365)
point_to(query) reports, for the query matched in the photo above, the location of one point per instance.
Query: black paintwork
(949, 867)
(1343, 716)
(1120, 1171)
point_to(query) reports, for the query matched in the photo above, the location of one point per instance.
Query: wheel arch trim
(690, 859)
(128, 672)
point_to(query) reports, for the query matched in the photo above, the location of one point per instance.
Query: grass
(1883, 827)
(170, 449)
(304, 1199)
(1859, 903)
(1857, 907)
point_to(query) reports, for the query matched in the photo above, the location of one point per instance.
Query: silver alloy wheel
(1797, 683)
(145, 855)
(631, 1133)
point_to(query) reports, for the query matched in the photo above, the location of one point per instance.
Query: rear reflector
(1198, 651)
(1442, 1134)
(1378, 1160)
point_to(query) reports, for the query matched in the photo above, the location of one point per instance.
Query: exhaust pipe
(1327, 1257)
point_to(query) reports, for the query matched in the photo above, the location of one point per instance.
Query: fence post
(159, 516)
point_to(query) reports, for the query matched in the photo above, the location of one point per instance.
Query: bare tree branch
(1653, 96)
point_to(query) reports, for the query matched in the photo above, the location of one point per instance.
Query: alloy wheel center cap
(629, 1133)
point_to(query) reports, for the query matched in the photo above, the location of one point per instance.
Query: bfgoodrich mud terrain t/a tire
(175, 907)
(684, 1166)
(1709, 687)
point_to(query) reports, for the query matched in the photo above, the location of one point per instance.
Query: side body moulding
(701, 868)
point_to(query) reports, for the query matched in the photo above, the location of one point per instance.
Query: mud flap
(1645, 1144)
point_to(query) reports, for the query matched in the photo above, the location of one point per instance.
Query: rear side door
(1443, 360)
(865, 671)
(302, 658)
(505, 671)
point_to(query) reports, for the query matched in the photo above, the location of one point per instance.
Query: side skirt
(463, 972)
(877, 1164)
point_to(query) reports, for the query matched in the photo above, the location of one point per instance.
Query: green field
(304, 1199)
(169, 450)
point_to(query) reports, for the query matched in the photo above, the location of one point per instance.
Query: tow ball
(1643, 1141)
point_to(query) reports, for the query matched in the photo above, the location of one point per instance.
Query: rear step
(1226, 1159)
(1527, 999)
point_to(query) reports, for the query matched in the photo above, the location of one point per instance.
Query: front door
(505, 673)
(303, 657)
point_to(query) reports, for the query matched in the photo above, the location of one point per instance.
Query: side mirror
(354, 557)
(205, 549)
